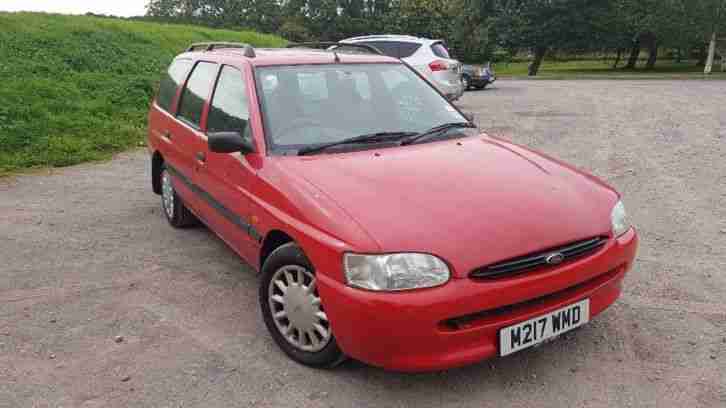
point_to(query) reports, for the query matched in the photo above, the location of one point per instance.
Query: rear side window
(407, 49)
(395, 49)
(173, 77)
(386, 47)
(196, 92)
(440, 50)
(229, 111)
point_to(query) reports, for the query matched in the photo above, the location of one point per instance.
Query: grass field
(664, 69)
(77, 88)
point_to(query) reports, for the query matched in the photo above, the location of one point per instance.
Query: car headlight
(619, 219)
(394, 272)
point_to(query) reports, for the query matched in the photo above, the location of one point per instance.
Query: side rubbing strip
(224, 211)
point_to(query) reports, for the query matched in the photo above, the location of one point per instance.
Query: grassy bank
(77, 88)
(664, 69)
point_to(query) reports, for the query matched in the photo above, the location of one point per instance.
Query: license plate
(539, 329)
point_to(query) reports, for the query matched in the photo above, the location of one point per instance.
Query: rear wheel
(293, 311)
(171, 204)
(480, 87)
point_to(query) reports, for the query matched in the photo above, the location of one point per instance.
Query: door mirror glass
(230, 142)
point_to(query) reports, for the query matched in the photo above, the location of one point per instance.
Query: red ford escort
(385, 226)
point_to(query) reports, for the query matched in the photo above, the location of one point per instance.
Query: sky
(124, 8)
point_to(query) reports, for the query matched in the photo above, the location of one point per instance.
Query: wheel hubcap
(167, 194)
(296, 308)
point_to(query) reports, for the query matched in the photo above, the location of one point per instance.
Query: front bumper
(410, 331)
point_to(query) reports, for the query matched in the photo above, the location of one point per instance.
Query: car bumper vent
(540, 259)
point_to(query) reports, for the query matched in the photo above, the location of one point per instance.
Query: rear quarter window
(170, 81)
(439, 49)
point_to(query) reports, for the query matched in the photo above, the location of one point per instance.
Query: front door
(228, 177)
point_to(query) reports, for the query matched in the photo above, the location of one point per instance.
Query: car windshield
(311, 105)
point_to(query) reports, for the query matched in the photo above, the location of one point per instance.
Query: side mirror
(229, 142)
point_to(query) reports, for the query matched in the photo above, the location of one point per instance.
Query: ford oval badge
(555, 258)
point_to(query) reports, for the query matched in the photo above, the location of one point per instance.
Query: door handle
(167, 134)
(201, 157)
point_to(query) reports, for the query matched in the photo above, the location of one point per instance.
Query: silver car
(429, 57)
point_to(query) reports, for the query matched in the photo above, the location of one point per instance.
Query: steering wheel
(297, 124)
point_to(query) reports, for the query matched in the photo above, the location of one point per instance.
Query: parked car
(429, 57)
(477, 77)
(385, 226)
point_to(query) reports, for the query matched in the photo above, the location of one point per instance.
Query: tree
(475, 29)
(546, 25)
(713, 14)
(676, 24)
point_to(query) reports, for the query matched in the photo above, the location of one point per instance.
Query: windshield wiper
(362, 139)
(437, 131)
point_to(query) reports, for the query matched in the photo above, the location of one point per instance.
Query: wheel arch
(273, 240)
(157, 163)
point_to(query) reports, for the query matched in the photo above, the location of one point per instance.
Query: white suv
(429, 57)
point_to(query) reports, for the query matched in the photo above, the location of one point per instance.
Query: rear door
(163, 111)
(226, 178)
(186, 135)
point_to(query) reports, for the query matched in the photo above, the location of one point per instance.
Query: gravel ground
(86, 256)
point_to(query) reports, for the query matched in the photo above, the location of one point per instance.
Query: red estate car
(385, 226)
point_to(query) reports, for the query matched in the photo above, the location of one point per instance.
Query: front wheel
(293, 311)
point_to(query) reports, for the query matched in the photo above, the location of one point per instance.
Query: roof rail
(334, 46)
(248, 51)
(384, 36)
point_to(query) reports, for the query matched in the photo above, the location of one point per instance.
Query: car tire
(466, 81)
(172, 205)
(289, 313)
(480, 87)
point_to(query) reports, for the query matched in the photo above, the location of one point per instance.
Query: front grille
(532, 261)
(493, 315)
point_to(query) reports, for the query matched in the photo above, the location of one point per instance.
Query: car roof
(289, 56)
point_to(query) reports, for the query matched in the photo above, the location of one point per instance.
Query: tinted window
(229, 110)
(440, 50)
(395, 49)
(407, 49)
(386, 47)
(170, 82)
(196, 92)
